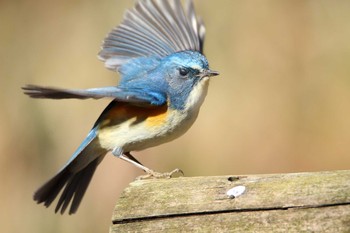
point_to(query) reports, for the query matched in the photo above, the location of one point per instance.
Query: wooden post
(301, 202)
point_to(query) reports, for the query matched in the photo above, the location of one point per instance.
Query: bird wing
(153, 28)
(141, 97)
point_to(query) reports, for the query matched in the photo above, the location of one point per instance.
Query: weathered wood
(301, 202)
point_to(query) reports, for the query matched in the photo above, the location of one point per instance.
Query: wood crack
(263, 209)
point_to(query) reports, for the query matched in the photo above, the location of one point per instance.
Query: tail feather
(76, 187)
(74, 178)
(74, 184)
(48, 192)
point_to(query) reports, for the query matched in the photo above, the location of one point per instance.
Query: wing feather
(153, 28)
(140, 97)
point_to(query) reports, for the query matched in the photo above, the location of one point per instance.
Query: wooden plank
(300, 200)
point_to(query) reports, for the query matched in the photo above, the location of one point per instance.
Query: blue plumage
(158, 51)
(87, 159)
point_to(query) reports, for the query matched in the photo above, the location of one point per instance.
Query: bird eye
(183, 71)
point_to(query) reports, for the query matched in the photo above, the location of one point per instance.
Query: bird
(164, 75)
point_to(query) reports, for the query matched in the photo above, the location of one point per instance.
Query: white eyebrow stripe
(196, 67)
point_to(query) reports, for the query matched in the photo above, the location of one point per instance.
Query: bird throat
(197, 95)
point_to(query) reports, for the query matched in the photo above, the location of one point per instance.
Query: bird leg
(150, 173)
(158, 175)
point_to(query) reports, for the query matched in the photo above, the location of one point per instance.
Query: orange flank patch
(122, 112)
(158, 117)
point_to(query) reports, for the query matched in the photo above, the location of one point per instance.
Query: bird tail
(74, 178)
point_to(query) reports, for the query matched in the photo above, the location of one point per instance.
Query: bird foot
(157, 175)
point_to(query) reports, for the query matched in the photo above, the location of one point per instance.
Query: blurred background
(281, 103)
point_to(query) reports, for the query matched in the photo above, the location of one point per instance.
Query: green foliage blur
(281, 103)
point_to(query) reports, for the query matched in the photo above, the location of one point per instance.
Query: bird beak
(210, 73)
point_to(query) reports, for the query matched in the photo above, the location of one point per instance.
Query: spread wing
(142, 97)
(153, 28)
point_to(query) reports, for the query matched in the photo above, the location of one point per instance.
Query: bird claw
(157, 175)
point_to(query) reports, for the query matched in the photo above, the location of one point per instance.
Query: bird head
(187, 76)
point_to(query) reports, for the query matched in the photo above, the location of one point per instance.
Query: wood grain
(300, 202)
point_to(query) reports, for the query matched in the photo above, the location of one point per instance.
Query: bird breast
(134, 128)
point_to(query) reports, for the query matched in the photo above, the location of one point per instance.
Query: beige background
(281, 103)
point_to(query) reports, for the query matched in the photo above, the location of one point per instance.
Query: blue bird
(158, 51)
